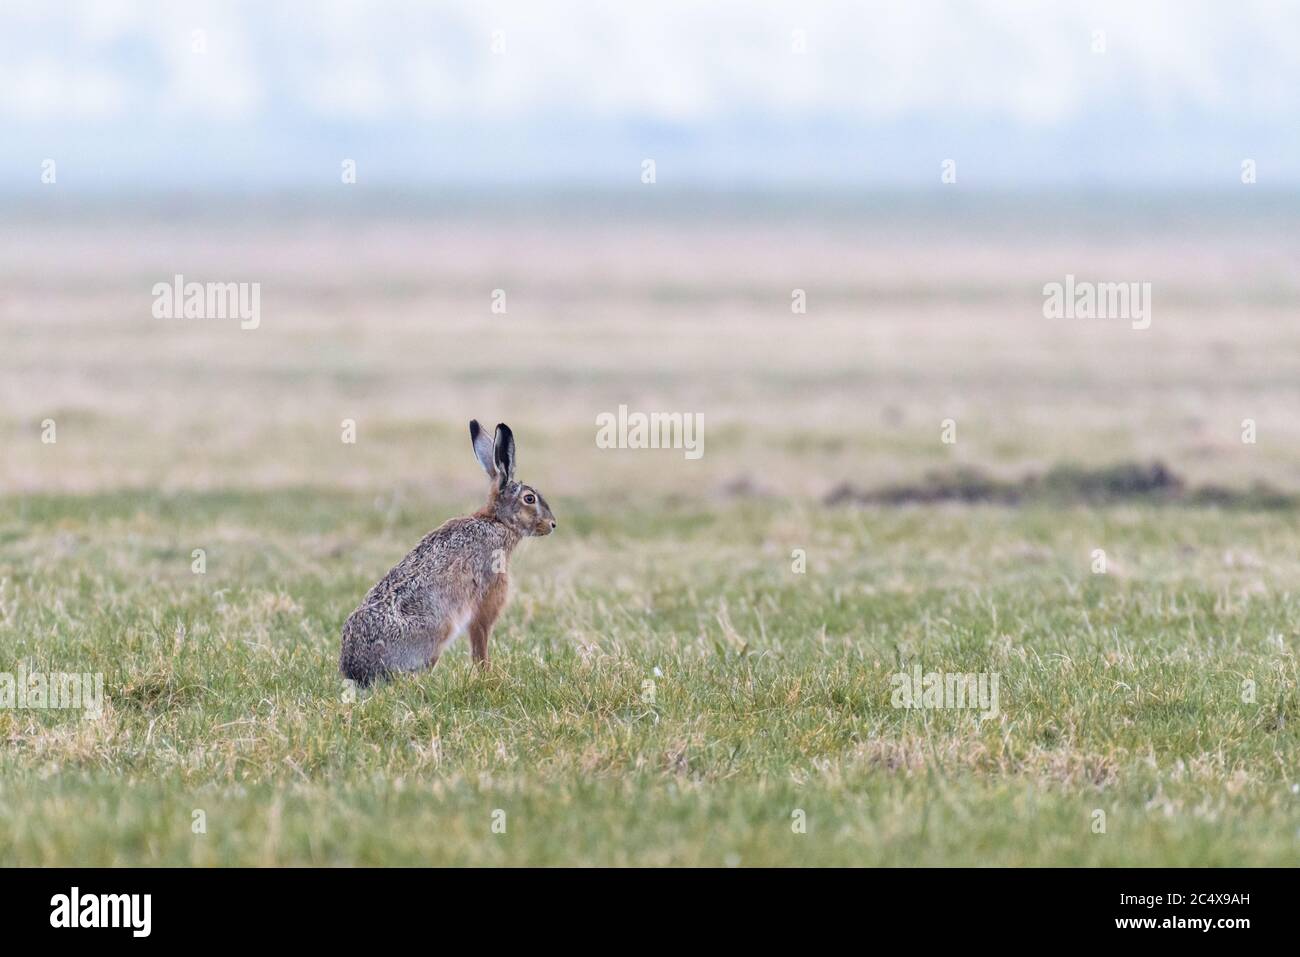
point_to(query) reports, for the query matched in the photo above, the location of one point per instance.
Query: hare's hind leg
(376, 645)
(485, 616)
(421, 641)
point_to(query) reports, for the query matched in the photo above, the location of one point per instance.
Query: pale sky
(213, 95)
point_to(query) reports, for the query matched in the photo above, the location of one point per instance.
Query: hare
(456, 578)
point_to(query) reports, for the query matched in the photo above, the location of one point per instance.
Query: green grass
(771, 690)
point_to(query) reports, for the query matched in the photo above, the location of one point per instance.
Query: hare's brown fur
(455, 579)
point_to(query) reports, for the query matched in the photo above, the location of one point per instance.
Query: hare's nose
(552, 524)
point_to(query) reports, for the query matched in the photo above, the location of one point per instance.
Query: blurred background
(503, 146)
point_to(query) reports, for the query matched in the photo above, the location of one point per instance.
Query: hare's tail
(355, 669)
(360, 660)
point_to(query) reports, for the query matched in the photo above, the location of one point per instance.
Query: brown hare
(455, 579)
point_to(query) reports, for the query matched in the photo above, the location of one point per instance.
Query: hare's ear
(482, 448)
(505, 453)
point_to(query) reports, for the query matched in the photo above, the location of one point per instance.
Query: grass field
(770, 693)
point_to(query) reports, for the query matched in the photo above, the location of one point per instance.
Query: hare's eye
(529, 499)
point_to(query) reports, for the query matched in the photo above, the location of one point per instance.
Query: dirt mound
(1062, 485)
